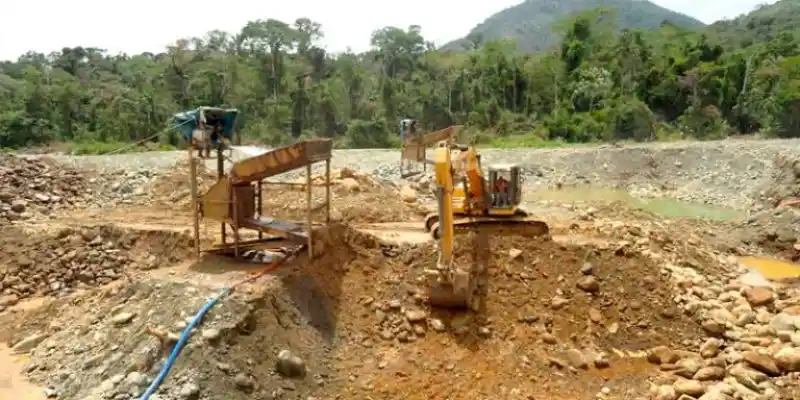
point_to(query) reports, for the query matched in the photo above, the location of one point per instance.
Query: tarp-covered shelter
(186, 122)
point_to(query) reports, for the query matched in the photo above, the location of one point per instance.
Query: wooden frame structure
(415, 148)
(235, 199)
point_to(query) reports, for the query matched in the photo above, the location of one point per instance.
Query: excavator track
(520, 223)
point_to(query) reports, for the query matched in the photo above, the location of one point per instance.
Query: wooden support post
(309, 221)
(327, 191)
(260, 205)
(220, 175)
(234, 204)
(195, 203)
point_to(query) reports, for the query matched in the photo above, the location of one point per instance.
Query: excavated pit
(541, 307)
(105, 341)
(559, 321)
(99, 345)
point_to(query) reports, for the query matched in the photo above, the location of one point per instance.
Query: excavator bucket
(445, 296)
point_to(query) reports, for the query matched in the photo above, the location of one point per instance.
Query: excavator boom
(444, 197)
(453, 287)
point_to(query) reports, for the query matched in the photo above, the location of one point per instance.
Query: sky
(150, 25)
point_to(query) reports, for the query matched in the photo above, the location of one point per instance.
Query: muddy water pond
(772, 268)
(661, 206)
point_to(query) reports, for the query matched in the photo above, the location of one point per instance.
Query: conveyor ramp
(235, 199)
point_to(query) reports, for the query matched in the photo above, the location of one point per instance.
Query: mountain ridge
(531, 22)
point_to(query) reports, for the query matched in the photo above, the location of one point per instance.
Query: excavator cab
(504, 187)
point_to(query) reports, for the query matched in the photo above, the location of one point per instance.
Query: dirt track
(621, 304)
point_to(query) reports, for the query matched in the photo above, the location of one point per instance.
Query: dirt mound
(785, 182)
(548, 310)
(36, 186)
(775, 231)
(173, 188)
(355, 197)
(775, 228)
(133, 328)
(111, 342)
(38, 263)
(559, 322)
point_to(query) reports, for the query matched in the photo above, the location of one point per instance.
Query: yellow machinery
(465, 199)
(416, 144)
(235, 199)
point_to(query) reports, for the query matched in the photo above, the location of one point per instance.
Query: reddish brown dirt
(501, 348)
(173, 189)
(339, 314)
(355, 197)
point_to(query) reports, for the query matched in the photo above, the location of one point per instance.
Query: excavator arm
(453, 287)
(444, 197)
(475, 180)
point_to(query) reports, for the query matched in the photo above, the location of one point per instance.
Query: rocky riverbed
(731, 173)
(97, 281)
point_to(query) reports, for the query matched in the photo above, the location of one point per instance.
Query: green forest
(599, 83)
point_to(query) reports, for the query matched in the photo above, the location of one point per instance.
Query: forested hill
(596, 85)
(762, 25)
(532, 22)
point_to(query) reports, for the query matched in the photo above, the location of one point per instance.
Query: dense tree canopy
(595, 85)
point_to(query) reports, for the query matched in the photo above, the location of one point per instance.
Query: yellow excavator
(467, 201)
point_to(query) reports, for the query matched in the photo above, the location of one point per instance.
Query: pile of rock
(776, 230)
(117, 188)
(753, 349)
(785, 182)
(134, 326)
(35, 186)
(55, 265)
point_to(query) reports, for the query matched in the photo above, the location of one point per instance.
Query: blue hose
(179, 346)
(199, 317)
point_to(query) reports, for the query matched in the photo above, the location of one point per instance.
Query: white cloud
(149, 25)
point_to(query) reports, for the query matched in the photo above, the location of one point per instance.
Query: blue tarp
(186, 122)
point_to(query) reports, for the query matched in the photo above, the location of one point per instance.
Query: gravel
(111, 343)
(730, 173)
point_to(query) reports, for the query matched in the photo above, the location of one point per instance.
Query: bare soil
(93, 295)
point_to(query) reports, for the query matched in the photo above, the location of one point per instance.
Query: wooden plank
(281, 160)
